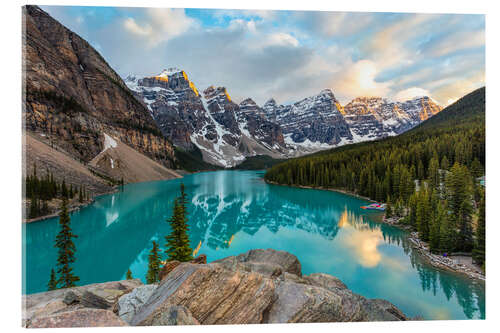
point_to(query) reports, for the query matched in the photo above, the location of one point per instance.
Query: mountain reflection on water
(232, 212)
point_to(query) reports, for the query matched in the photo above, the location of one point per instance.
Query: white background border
(10, 120)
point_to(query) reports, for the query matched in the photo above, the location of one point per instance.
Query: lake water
(231, 212)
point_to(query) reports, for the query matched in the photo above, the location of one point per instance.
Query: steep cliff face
(73, 96)
(174, 102)
(252, 119)
(313, 123)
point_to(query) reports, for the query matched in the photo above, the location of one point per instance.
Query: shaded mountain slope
(73, 96)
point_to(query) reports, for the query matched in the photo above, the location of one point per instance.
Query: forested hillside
(428, 175)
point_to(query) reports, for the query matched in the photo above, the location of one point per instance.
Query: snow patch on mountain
(109, 142)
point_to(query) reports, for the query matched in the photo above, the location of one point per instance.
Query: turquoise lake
(231, 212)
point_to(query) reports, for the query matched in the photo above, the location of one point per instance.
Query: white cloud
(159, 24)
(292, 55)
(451, 89)
(330, 24)
(279, 38)
(387, 46)
(410, 93)
(459, 41)
(134, 28)
(358, 79)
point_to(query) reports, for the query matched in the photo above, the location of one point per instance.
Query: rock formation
(259, 286)
(73, 98)
(225, 132)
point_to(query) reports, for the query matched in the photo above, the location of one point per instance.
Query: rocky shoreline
(259, 286)
(72, 208)
(438, 261)
(323, 189)
(446, 263)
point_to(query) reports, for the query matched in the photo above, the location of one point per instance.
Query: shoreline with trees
(429, 178)
(437, 261)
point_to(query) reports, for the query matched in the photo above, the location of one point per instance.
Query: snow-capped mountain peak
(227, 133)
(170, 71)
(212, 122)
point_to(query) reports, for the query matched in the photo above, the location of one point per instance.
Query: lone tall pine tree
(66, 249)
(177, 242)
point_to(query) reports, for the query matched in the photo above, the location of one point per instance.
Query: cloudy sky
(290, 55)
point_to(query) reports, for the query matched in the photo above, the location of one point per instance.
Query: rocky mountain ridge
(227, 133)
(73, 98)
(259, 286)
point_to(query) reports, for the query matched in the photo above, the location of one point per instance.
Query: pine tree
(388, 208)
(476, 169)
(129, 275)
(52, 285)
(444, 163)
(413, 206)
(435, 229)
(422, 216)
(177, 242)
(434, 178)
(458, 188)
(80, 195)
(447, 231)
(153, 273)
(34, 207)
(64, 190)
(66, 249)
(479, 252)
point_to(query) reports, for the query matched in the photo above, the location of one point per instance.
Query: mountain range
(227, 133)
(76, 106)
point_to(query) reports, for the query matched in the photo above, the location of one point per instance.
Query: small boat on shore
(374, 206)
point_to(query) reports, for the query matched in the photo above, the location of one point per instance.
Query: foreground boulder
(78, 318)
(170, 265)
(268, 262)
(129, 303)
(259, 286)
(213, 294)
(102, 296)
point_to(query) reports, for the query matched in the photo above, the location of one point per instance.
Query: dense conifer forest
(429, 176)
(42, 189)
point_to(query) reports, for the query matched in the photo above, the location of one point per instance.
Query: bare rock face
(129, 303)
(173, 315)
(316, 119)
(213, 295)
(73, 96)
(52, 304)
(94, 296)
(78, 318)
(172, 264)
(325, 281)
(268, 262)
(375, 117)
(259, 286)
(167, 268)
(222, 130)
